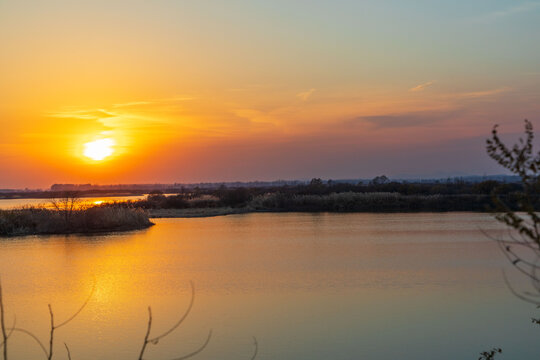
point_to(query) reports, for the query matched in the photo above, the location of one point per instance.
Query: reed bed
(37, 221)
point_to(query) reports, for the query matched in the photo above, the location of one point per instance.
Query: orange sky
(198, 91)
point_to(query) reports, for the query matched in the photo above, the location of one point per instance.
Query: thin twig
(10, 329)
(186, 313)
(2, 323)
(35, 338)
(517, 294)
(52, 334)
(148, 328)
(198, 350)
(256, 348)
(54, 327)
(156, 339)
(68, 352)
(81, 308)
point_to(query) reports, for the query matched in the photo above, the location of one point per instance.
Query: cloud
(133, 103)
(517, 9)
(482, 94)
(403, 120)
(306, 94)
(96, 114)
(421, 86)
(171, 100)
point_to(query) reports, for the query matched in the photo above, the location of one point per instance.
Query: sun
(99, 149)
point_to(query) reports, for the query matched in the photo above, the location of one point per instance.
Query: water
(17, 203)
(308, 286)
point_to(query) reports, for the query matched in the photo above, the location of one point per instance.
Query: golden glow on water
(83, 202)
(342, 286)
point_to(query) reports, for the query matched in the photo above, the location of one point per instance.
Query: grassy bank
(34, 221)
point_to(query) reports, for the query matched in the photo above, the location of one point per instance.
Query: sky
(210, 91)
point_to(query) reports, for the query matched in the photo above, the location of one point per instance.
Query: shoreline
(196, 212)
(213, 212)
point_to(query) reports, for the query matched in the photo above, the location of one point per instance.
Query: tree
(379, 180)
(523, 248)
(66, 203)
(316, 186)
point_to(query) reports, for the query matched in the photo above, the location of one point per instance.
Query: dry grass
(30, 221)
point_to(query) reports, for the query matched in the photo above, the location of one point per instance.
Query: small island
(44, 221)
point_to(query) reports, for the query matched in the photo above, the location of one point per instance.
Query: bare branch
(155, 340)
(81, 308)
(35, 338)
(198, 350)
(3, 324)
(11, 329)
(186, 313)
(148, 328)
(68, 352)
(517, 294)
(54, 327)
(51, 337)
(256, 344)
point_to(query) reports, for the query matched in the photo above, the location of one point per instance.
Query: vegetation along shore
(69, 214)
(380, 195)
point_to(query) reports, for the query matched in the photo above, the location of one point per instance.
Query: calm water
(308, 286)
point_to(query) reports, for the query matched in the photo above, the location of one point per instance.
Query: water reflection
(309, 286)
(87, 201)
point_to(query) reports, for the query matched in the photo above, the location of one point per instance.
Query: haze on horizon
(192, 91)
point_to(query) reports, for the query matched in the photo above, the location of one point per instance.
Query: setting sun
(99, 149)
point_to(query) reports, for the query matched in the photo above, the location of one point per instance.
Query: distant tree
(485, 187)
(234, 197)
(379, 180)
(316, 186)
(316, 182)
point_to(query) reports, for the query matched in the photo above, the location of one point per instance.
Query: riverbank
(41, 221)
(197, 212)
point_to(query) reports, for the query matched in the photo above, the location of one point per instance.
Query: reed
(36, 221)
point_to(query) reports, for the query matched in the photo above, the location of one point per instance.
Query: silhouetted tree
(379, 180)
(66, 203)
(523, 250)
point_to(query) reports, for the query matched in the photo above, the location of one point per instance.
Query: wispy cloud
(94, 114)
(421, 86)
(482, 94)
(517, 9)
(412, 119)
(306, 94)
(133, 103)
(170, 100)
